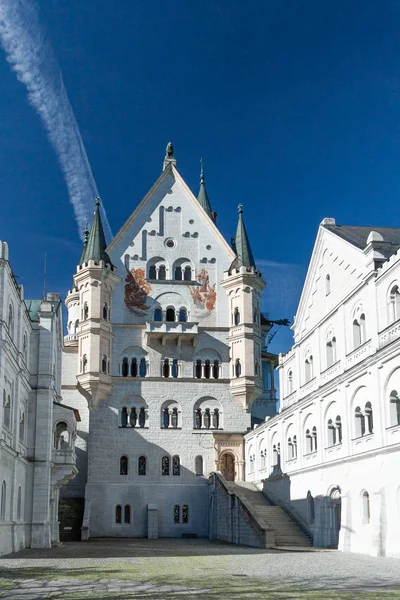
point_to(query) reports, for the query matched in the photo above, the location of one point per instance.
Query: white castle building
(163, 359)
(36, 432)
(331, 456)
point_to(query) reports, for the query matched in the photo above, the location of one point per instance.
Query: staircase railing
(269, 496)
(265, 534)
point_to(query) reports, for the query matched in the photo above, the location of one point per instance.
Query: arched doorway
(335, 516)
(228, 466)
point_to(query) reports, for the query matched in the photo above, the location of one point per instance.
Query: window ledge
(126, 427)
(288, 460)
(313, 453)
(334, 446)
(363, 437)
(206, 430)
(171, 428)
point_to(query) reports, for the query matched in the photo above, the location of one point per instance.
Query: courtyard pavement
(188, 569)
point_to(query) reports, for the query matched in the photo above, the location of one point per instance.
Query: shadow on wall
(320, 516)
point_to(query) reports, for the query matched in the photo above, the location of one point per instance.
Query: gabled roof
(358, 235)
(170, 171)
(96, 244)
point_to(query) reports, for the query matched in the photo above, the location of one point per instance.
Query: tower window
(170, 314)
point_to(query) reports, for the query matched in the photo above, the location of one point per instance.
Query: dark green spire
(202, 196)
(95, 248)
(242, 245)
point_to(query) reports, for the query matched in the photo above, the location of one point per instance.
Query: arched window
(84, 363)
(334, 431)
(369, 417)
(290, 382)
(185, 513)
(166, 367)
(215, 418)
(207, 418)
(19, 504)
(276, 454)
(359, 331)
(174, 418)
(134, 368)
(238, 367)
(133, 416)
(22, 426)
(311, 509)
(198, 465)
(142, 417)
(216, 369)
(177, 510)
(123, 465)
(207, 369)
(394, 408)
(162, 273)
(187, 275)
(127, 514)
(165, 418)
(158, 315)
(118, 513)
(152, 272)
(170, 315)
(290, 448)
(3, 501)
(359, 422)
(394, 304)
(105, 311)
(165, 465)
(125, 367)
(124, 417)
(330, 350)
(365, 508)
(294, 446)
(76, 326)
(182, 315)
(309, 368)
(197, 418)
(327, 285)
(314, 439)
(198, 369)
(142, 465)
(104, 364)
(178, 273)
(236, 316)
(176, 465)
(174, 370)
(6, 410)
(142, 367)
(85, 311)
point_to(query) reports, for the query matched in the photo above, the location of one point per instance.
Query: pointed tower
(202, 196)
(243, 284)
(94, 283)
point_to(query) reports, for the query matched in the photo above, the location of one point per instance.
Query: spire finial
(169, 156)
(97, 201)
(86, 234)
(201, 172)
(240, 208)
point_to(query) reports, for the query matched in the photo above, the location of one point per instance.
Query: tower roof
(95, 247)
(202, 195)
(85, 242)
(242, 245)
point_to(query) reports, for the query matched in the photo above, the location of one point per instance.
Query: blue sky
(294, 106)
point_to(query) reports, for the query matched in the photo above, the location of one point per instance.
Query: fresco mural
(136, 290)
(204, 296)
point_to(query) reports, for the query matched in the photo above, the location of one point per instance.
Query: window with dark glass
(142, 465)
(207, 418)
(118, 514)
(124, 417)
(170, 315)
(198, 369)
(127, 514)
(165, 418)
(175, 368)
(152, 272)
(207, 369)
(105, 311)
(216, 419)
(158, 314)
(238, 368)
(185, 513)
(182, 315)
(178, 273)
(125, 367)
(176, 513)
(142, 367)
(216, 369)
(197, 419)
(165, 465)
(123, 465)
(133, 417)
(134, 367)
(174, 418)
(142, 417)
(176, 465)
(166, 368)
(162, 273)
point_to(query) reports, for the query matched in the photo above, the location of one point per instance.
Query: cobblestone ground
(188, 569)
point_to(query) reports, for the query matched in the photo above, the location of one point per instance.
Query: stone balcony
(71, 340)
(388, 335)
(359, 354)
(330, 372)
(172, 331)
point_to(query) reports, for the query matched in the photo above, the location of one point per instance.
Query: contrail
(31, 57)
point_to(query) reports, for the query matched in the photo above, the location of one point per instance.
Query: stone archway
(228, 466)
(335, 516)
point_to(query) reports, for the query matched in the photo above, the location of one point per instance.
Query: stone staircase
(287, 532)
